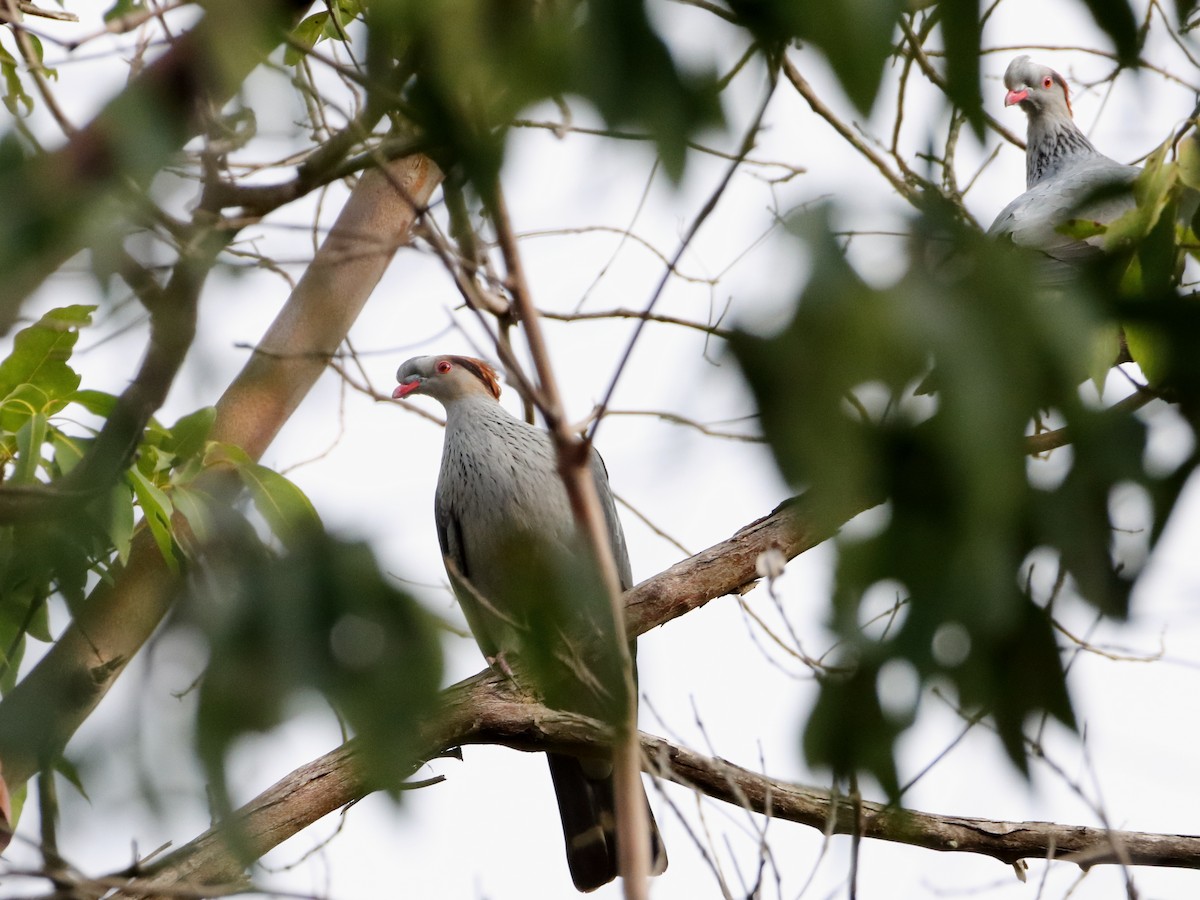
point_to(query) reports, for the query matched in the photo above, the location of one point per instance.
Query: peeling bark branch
(724, 568)
(1007, 842)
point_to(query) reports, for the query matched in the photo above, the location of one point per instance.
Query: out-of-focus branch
(633, 825)
(1045, 441)
(172, 327)
(54, 200)
(40, 714)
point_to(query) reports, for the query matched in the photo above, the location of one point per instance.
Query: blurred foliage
(41, 443)
(318, 616)
(468, 68)
(299, 611)
(551, 608)
(964, 515)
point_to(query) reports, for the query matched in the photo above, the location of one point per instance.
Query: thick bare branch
(725, 568)
(41, 713)
(485, 709)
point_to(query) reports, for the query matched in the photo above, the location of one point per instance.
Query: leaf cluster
(841, 391)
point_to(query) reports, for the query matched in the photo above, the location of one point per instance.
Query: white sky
(491, 830)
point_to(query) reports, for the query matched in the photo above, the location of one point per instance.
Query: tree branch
(632, 818)
(55, 201)
(39, 715)
(172, 328)
(486, 710)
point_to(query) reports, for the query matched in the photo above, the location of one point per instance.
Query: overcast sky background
(711, 680)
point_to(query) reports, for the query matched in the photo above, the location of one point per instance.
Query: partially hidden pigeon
(501, 511)
(1066, 178)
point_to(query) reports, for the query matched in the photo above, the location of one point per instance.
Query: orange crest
(481, 370)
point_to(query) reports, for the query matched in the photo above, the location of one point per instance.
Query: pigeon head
(1038, 89)
(1054, 143)
(446, 378)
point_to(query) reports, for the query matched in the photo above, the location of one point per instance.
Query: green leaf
(30, 438)
(1106, 349)
(157, 510)
(120, 520)
(40, 55)
(287, 510)
(36, 377)
(17, 799)
(962, 32)
(186, 438)
(866, 746)
(1188, 161)
(321, 26)
(67, 452)
(194, 506)
(14, 93)
(97, 402)
(12, 651)
(307, 34)
(70, 771)
(1116, 19)
(123, 8)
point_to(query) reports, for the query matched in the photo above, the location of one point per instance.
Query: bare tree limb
(39, 715)
(633, 823)
(485, 709)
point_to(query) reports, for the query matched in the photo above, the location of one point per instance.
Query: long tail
(585, 804)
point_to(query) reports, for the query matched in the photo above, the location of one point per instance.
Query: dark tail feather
(586, 807)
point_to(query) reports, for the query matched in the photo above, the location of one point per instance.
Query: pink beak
(403, 390)
(1015, 96)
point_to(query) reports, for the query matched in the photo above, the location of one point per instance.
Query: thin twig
(693, 229)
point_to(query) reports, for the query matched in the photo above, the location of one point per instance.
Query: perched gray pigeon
(1065, 176)
(499, 489)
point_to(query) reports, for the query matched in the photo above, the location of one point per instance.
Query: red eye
(1047, 82)
(444, 366)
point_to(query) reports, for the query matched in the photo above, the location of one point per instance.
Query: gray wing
(452, 540)
(449, 532)
(616, 535)
(1099, 191)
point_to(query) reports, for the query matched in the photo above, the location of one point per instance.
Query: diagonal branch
(42, 712)
(172, 328)
(633, 824)
(470, 708)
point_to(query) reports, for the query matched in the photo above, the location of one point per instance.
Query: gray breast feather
(500, 482)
